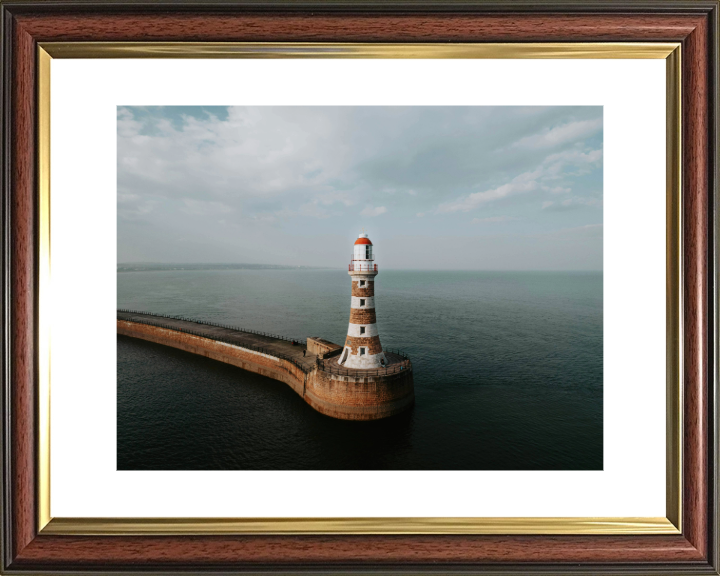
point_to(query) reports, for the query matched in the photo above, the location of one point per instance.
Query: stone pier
(316, 376)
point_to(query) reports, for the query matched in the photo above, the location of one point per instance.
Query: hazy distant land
(154, 266)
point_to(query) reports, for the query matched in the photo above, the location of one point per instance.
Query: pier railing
(156, 320)
(332, 366)
(216, 324)
(397, 352)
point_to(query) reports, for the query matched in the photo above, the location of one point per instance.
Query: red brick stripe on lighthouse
(372, 344)
(364, 292)
(362, 316)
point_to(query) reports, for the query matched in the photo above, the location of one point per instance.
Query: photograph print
(359, 288)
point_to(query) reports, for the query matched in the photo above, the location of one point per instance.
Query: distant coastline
(155, 267)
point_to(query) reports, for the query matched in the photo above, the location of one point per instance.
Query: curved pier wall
(345, 397)
(257, 362)
(360, 398)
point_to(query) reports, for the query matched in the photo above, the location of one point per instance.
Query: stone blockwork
(362, 316)
(250, 360)
(372, 343)
(344, 394)
(367, 291)
(358, 397)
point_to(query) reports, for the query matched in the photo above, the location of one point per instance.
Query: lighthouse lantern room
(362, 346)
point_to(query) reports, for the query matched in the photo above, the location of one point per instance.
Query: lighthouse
(362, 346)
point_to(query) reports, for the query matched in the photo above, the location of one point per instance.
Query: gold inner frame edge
(269, 526)
(521, 525)
(531, 50)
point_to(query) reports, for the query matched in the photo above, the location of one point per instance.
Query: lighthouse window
(367, 251)
(362, 351)
(362, 302)
(362, 329)
(362, 282)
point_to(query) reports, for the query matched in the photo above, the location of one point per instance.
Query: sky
(436, 188)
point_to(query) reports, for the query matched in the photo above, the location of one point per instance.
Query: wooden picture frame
(33, 544)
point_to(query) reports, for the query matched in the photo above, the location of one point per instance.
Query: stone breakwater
(348, 394)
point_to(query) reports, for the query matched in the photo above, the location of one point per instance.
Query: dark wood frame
(694, 23)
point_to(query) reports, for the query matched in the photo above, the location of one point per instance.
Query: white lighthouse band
(363, 362)
(362, 302)
(362, 330)
(362, 350)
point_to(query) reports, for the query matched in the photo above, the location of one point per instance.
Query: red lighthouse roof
(363, 239)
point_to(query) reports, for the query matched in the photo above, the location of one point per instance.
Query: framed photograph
(359, 287)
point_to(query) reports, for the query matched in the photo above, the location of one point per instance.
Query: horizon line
(295, 267)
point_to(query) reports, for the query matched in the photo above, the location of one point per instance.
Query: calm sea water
(508, 373)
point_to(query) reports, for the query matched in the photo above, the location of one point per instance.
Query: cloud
(557, 190)
(336, 196)
(200, 208)
(268, 154)
(525, 182)
(551, 168)
(369, 211)
(274, 173)
(582, 163)
(586, 231)
(573, 203)
(558, 135)
(493, 219)
(298, 155)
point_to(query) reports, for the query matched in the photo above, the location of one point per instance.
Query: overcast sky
(479, 188)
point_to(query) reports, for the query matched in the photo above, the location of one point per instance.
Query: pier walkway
(265, 343)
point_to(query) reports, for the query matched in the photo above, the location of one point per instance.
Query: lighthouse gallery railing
(362, 267)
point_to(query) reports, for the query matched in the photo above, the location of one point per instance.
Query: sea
(508, 371)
